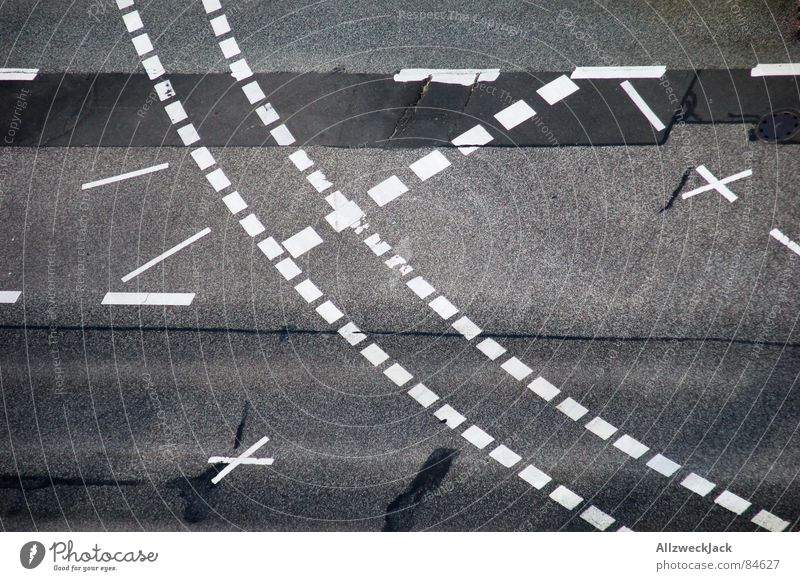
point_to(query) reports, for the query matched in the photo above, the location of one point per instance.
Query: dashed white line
(767, 520)
(125, 176)
(234, 202)
(491, 348)
(148, 299)
(732, 502)
(565, 497)
(477, 437)
(352, 334)
(543, 388)
(633, 448)
(601, 428)
(329, 312)
(698, 484)
(301, 160)
(535, 477)
(308, 290)
(642, 106)
(374, 354)
(505, 456)
(471, 139)
(429, 165)
(572, 409)
(218, 180)
(421, 287)
(444, 308)
(165, 255)
(318, 180)
(270, 248)
(557, 89)
(449, 416)
(288, 268)
(398, 374)
(220, 25)
(514, 114)
(630, 72)
(467, 328)
(282, 135)
(597, 518)
(9, 297)
(203, 158)
(302, 242)
(516, 369)
(663, 465)
(252, 225)
(389, 189)
(424, 396)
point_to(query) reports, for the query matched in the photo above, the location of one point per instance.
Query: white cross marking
(239, 460)
(719, 185)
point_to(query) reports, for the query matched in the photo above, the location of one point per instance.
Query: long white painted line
(775, 70)
(767, 520)
(785, 240)
(9, 297)
(715, 184)
(148, 299)
(732, 502)
(643, 106)
(557, 89)
(227, 460)
(535, 477)
(647, 72)
(663, 465)
(246, 454)
(18, 74)
(464, 77)
(505, 456)
(477, 437)
(565, 497)
(167, 254)
(125, 176)
(597, 518)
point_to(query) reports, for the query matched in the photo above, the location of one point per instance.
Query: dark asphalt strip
(372, 110)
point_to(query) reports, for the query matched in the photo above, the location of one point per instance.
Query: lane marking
(148, 299)
(444, 308)
(471, 139)
(732, 502)
(466, 77)
(543, 388)
(9, 297)
(597, 518)
(631, 72)
(211, 6)
(514, 114)
(535, 477)
(220, 25)
(268, 116)
(228, 460)
(389, 189)
(398, 374)
(424, 396)
(229, 47)
(329, 312)
(785, 240)
(11, 74)
(253, 92)
(282, 135)
(421, 287)
(429, 165)
(516, 369)
(188, 134)
(288, 268)
(203, 158)
(317, 179)
(698, 484)
(467, 328)
(165, 255)
(301, 160)
(352, 334)
(175, 112)
(477, 437)
(767, 520)
(775, 70)
(234, 202)
(218, 180)
(270, 248)
(164, 90)
(491, 348)
(643, 106)
(633, 448)
(374, 354)
(308, 290)
(153, 67)
(378, 247)
(565, 497)
(125, 176)
(663, 465)
(302, 242)
(449, 416)
(601, 428)
(345, 214)
(557, 89)
(252, 225)
(716, 184)
(238, 460)
(133, 21)
(505, 456)
(572, 409)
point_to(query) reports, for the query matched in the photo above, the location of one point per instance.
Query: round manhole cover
(779, 126)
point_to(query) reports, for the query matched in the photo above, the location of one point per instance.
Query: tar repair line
(373, 353)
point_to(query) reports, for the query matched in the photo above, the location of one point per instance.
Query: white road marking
(253, 92)
(229, 47)
(268, 116)
(142, 44)
(557, 89)
(646, 72)
(389, 189)
(572, 409)
(633, 448)
(175, 111)
(124, 4)
(125, 176)
(597, 518)
(270, 248)
(164, 90)
(374, 243)
(471, 139)
(301, 160)
(153, 68)
(698, 484)
(663, 465)
(251, 461)
(220, 25)
(9, 297)
(424, 396)
(234, 202)
(535, 477)
(477, 437)
(516, 369)
(302, 242)
(352, 334)
(624, 530)
(329, 312)
(317, 179)
(211, 6)
(543, 388)
(148, 299)
(715, 184)
(785, 240)
(467, 328)
(449, 416)
(282, 134)
(374, 354)
(133, 21)
(505, 456)
(767, 520)
(188, 134)
(421, 287)
(514, 114)
(344, 215)
(775, 70)
(601, 428)
(642, 106)
(444, 308)
(18, 74)
(165, 255)
(491, 348)
(732, 502)
(464, 77)
(246, 454)
(203, 158)
(565, 497)
(240, 70)
(252, 225)
(429, 165)
(398, 374)
(308, 290)
(218, 180)
(288, 268)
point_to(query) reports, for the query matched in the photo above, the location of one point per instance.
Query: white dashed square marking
(288, 268)
(211, 6)
(543, 388)
(449, 416)
(572, 409)
(164, 90)
(424, 396)
(516, 369)
(142, 44)
(302, 242)
(505, 456)
(240, 70)
(270, 248)
(535, 477)
(491, 348)
(329, 312)
(767, 520)
(467, 328)
(444, 308)
(220, 25)
(633, 448)
(398, 374)
(352, 334)
(253, 92)
(557, 89)
(281, 134)
(319, 181)
(374, 243)
(732, 502)
(514, 114)
(601, 428)
(597, 518)
(175, 111)
(698, 484)
(268, 115)
(153, 68)
(252, 225)
(470, 140)
(565, 497)
(203, 158)
(229, 47)
(188, 134)
(421, 287)
(388, 190)
(429, 165)
(374, 354)
(477, 437)
(218, 180)
(663, 465)
(344, 216)
(301, 160)
(308, 290)
(133, 21)
(234, 202)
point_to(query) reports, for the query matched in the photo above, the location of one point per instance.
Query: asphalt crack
(408, 114)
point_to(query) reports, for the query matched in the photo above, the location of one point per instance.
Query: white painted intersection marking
(211, 6)
(557, 89)
(715, 184)
(444, 308)
(229, 47)
(329, 312)
(301, 160)
(421, 287)
(471, 139)
(477, 437)
(188, 134)
(308, 290)
(388, 190)
(246, 454)
(7, 74)
(165, 255)
(203, 158)
(152, 66)
(270, 248)
(467, 328)
(597, 518)
(318, 180)
(9, 297)
(125, 176)
(491, 348)
(449, 416)
(374, 354)
(375, 244)
(302, 242)
(732, 502)
(234, 202)
(345, 214)
(218, 180)
(775, 70)
(142, 44)
(505, 456)
(698, 484)
(535, 477)
(767, 520)
(785, 240)
(424, 396)
(164, 90)
(252, 461)
(429, 165)
(240, 70)
(643, 106)
(253, 92)
(572, 409)
(646, 72)
(663, 465)
(288, 268)
(633, 448)
(148, 299)
(352, 334)
(516, 368)
(133, 21)
(601, 428)
(398, 374)
(514, 114)
(220, 25)
(565, 497)
(543, 388)
(282, 135)
(464, 77)
(252, 225)
(175, 112)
